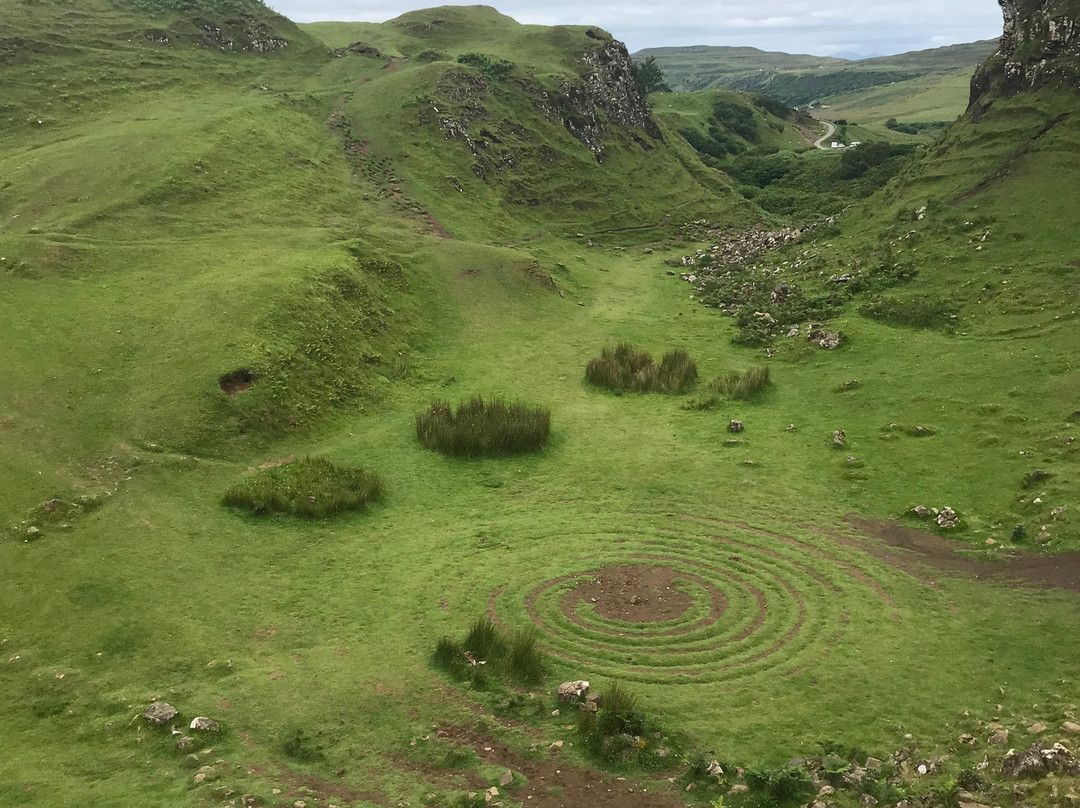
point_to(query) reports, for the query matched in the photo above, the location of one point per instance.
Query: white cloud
(795, 26)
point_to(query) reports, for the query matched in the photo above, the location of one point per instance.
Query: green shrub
(492, 69)
(309, 487)
(734, 386)
(629, 369)
(620, 733)
(782, 785)
(483, 428)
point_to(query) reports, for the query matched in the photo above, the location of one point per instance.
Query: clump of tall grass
(311, 487)
(620, 733)
(483, 427)
(732, 386)
(488, 650)
(625, 368)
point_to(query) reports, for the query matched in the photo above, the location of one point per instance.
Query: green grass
(171, 221)
(479, 428)
(311, 487)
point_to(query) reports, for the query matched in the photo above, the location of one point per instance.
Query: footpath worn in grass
(248, 213)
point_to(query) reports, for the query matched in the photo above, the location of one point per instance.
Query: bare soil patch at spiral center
(634, 594)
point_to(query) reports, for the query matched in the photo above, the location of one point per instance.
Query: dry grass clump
(483, 428)
(733, 386)
(626, 369)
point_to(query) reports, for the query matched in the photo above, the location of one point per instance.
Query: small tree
(649, 77)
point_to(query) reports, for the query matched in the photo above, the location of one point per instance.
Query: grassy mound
(311, 487)
(733, 386)
(483, 428)
(629, 369)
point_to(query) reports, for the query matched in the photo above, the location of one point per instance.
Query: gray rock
(735, 426)
(184, 742)
(573, 692)
(1038, 728)
(867, 801)
(1029, 763)
(968, 739)
(948, 518)
(160, 713)
(506, 778)
(203, 724)
(1071, 727)
(839, 438)
(714, 769)
(921, 511)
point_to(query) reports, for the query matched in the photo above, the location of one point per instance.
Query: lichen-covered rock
(160, 713)
(1038, 762)
(204, 724)
(573, 692)
(1040, 45)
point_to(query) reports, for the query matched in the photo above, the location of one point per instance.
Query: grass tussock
(489, 651)
(311, 487)
(626, 369)
(483, 428)
(733, 386)
(621, 734)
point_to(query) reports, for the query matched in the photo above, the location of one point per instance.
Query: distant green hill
(802, 79)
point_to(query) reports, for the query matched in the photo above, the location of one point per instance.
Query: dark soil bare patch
(436, 226)
(237, 381)
(635, 594)
(552, 783)
(913, 550)
(297, 785)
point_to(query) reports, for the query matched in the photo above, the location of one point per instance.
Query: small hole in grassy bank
(237, 381)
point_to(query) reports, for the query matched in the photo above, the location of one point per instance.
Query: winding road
(830, 129)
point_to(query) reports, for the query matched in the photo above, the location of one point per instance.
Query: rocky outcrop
(240, 34)
(1040, 46)
(605, 94)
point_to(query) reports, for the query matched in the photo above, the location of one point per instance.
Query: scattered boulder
(556, 746)
(1071, 727)
(490, 795)
(999, 737)
(967, 739)
(1056, 512)
(735, 426)
(921, 511)
(506, 778)
(826, 339)
(203, 724)
(1038, 728)
(867, 801)
(739, 788)
(839, 437)
(596, 700)
(160, 713)
(948, 518)
(184, 742)
(1037, 762)
(573, 692)
(714, 769)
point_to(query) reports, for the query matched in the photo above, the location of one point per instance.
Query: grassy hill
(799, 79)
(219, 259)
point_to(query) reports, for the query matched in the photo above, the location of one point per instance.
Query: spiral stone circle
(682, 599)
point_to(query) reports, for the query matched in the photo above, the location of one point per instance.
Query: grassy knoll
(281, 224)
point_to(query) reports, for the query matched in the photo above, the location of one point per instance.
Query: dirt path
(830, 129)
(914, 550)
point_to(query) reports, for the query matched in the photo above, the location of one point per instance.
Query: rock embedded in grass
(160, 713)
(203, 724)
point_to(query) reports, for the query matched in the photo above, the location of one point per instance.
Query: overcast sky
(823, 28)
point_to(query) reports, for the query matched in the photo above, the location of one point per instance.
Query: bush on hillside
(492, 69)
(620, 733)
(483, 428)
(629, 369)
(311, 487)
(733, 386)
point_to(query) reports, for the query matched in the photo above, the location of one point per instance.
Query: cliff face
(1040, 46)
